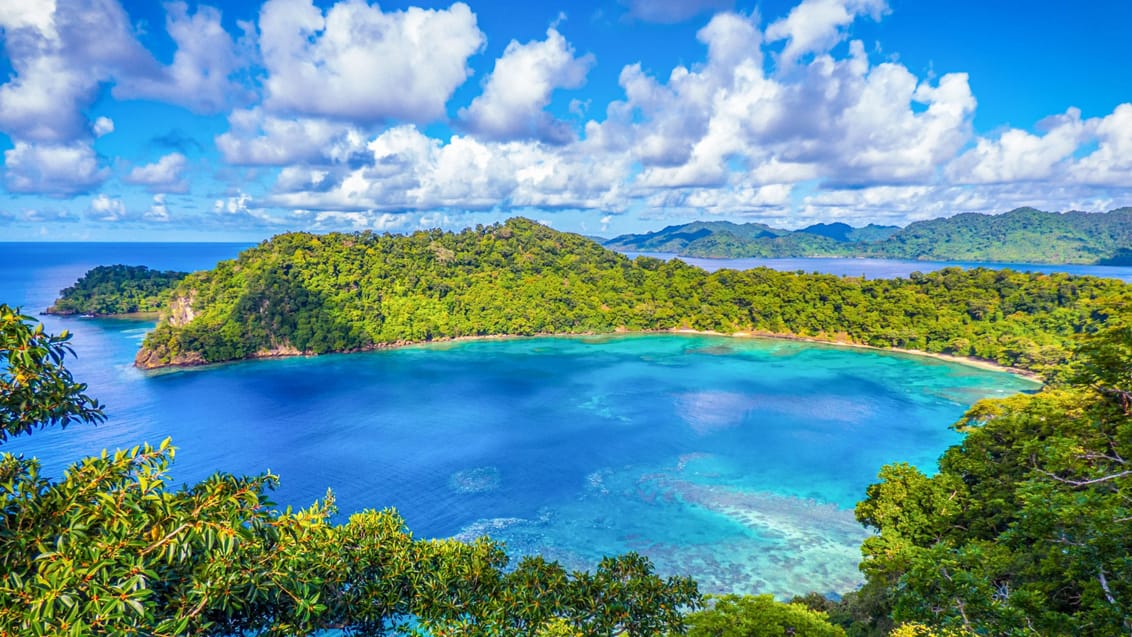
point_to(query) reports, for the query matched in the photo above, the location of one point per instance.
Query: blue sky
(139, 120)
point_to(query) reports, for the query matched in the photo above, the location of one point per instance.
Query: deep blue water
(733, 460)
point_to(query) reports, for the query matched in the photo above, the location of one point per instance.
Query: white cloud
(727, 123)
(411, 171)
(105, 208)
(258, 138)
(661, 124)
(102, 126)
(206, 58)
(60, 170)
(158, 211)
(233, 205)
(519, 88)
(164, 175)
(1017, 155)
(815, 26)
(359, 63)
(59, 55)
(1111, 163)
(673, 11)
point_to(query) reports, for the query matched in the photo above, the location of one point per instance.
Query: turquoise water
(736, 461)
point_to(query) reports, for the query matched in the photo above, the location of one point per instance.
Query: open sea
(735, 461)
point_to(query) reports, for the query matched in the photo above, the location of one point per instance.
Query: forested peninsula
(112, 290)
(1024, 235)
(300, 293)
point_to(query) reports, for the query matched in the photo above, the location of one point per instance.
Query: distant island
(112, 290)
(1024, 235)
(301, 293)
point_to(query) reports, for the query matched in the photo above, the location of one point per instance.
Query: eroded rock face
(181, 309)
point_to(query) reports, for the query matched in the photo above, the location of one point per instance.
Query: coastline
(970, 361)
(143, 364)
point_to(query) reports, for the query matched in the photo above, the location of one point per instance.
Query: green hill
(115, 289)
(305, 293)
(1024, 235)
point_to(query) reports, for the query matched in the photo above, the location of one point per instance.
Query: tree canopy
(342, 292)
(1027, 527)
(116, 289)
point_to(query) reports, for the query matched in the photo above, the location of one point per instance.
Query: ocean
(736, 461)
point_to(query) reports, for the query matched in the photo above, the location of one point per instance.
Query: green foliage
(35, 389)
(116, 289)
(344, 292)
(1024, 235)
(1025, 529)
(113, 548)
(759, 616)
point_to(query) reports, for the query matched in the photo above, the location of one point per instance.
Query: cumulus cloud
(720, 136)
(59, 54)
(60, 170)
(815, 26)
(105, 208)
(728, 122)
(673, 11)
(410, 171)
(1018, 155)
(519, 88)
(102, 126)
(259, 138)
(1111, 163)
(358, 63)
(158, 211)
(165, 175)
(204, 63)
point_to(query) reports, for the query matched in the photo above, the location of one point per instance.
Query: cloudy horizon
(233, 121)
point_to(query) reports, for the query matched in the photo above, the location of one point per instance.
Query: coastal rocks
(153, 358)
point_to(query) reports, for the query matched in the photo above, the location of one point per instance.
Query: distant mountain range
(1024, 235)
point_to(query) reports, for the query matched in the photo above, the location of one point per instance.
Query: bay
(736, 461)
(887, 268)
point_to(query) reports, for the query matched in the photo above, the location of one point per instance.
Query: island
(1023, 235)
(300, 293)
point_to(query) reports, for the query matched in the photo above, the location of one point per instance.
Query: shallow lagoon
(737, 461)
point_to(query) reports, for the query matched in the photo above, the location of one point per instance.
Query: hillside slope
(302, 293)
(1024, 235)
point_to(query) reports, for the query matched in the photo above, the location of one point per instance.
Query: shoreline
(970, 361)
(279, 353)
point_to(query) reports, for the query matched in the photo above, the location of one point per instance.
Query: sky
(234, 121)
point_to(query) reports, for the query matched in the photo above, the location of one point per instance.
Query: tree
(759, 616)
(1025, 529)
(35, 389)
(112, 548)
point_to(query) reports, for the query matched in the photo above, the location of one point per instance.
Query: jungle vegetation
(305, 293)
(108, 290)
(1024, 235)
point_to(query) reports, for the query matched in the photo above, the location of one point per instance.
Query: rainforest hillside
(1024, 235)
(116, 289)
(302, 293)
